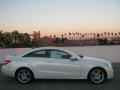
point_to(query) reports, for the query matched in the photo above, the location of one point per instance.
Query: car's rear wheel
(97, 75)
(24, 75)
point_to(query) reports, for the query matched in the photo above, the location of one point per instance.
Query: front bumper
(110, 73)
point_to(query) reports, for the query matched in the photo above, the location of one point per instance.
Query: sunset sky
(60, 16)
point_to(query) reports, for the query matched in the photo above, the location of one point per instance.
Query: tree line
(79, 36)
(105, 38)
(15, 39)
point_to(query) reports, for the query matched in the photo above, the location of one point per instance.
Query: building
(35, 35)
(46, 41)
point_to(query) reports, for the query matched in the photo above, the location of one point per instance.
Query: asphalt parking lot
(7, 83)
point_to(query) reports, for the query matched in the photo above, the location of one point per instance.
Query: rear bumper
(7, 70)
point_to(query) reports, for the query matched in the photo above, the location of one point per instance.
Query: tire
(24, 75)
(97, 75)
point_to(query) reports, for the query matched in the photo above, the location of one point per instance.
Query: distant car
(56, 63)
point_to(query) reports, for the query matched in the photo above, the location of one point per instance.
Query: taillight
(6, 62)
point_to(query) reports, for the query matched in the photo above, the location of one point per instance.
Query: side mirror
(73, 59)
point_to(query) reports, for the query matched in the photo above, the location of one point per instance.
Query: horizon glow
(60, 16)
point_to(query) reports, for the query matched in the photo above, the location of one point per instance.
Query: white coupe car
(56, 63)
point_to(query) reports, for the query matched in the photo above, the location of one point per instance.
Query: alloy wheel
(24, 76)
(97, 75)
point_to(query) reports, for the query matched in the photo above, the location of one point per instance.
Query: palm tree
(15, 35)
(87, 35)
(76, 33)
(105, 34)
(94, 35)
(26, 39)
(115, 35)
(65, 35)
(1, 35)
(62, 36)
(54, 36)
(7, 39)
(73, 35)
(112, 35)
(98, 35)
(70, 35)
(20, 37)
(119, 34)
(79, 36)
(82, 36)
(1, 32)
(90, 35)
(101, 35)
(108, 34)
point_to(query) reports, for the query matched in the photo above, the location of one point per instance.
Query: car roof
(41, 48)
(49, 47)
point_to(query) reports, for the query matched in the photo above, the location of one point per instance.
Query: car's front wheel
(24, 75)
(97, 75)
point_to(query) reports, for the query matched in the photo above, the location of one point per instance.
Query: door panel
(53, 65)
(63, 68)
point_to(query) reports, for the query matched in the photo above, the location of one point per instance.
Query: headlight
(108, 64)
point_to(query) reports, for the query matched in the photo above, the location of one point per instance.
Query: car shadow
(68, 81)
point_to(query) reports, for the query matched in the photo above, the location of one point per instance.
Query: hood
(91, 59)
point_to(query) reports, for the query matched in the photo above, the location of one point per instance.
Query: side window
(59, 54)
(40, 53)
